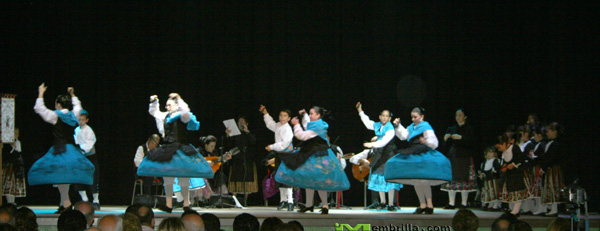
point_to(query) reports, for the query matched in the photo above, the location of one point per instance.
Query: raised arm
(271, 125)
(159, 116)
(41, 109)
(76, 102)
(401, 131)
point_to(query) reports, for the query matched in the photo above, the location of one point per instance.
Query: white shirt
(300, 133)
(283, 133)
(160, 116)
(430, 138)
(50, 116)
(389, 135)
(85, 138)
(139, 155)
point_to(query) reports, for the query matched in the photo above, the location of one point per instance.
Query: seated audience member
(131, 222)
(192, 221)
(88, 211)
(560, 224)
(288, 227)
(465, 220)
(245, 222)
(171, 224)
(145, 214)
(501, 223)
(270, 223)
(71, 220)
(7, 227)
(519, 226)
(110, 223)
(211, 222)
(25, 220)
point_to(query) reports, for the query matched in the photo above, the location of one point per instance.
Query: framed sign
(8, 118)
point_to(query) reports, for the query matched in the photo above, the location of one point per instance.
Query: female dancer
(314, 167)
(513, 183)
(283, 143)
(175, 158)
(459, 138)
(13, 177)
(553, 179)
(384, 148)
(64, 163)
(420, 164)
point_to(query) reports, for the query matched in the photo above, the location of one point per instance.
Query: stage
(440, 220)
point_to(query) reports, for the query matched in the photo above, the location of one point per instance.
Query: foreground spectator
(501, 223)
(270, 223)
(192, 221)
(88, 211)
(71, 220)
(519, 226)
(25, 220)
(146, 216)
(560, 224)
(245, 222)
(211, 222)
(131, 222)
(171, 224)
(110, 223)
(465, 220)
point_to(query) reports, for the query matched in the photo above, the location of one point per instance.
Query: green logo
(358, 227)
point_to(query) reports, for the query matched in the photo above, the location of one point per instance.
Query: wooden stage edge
(353, 216)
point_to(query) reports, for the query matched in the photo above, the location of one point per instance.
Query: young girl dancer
(420, 164)
(490, 170)
(514, 185)
(177, 157)
(553, 180)
(314, 167)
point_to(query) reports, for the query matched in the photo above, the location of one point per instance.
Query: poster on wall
(8, 118)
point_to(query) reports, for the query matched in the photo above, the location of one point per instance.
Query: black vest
(175, 131)
(63, 133)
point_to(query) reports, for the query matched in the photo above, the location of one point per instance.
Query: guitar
(218, 160)
(361, 172)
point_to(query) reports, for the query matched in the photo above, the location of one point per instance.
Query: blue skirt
(430, 167)
(377, 183)
(318, 172)
(195, 183)
(69, 167)
(180, 165)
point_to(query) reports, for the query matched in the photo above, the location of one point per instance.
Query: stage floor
(440, 220)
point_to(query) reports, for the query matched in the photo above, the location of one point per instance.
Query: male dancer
(86, 139)
(283, 142)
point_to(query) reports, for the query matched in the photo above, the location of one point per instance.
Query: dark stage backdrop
(500, 61)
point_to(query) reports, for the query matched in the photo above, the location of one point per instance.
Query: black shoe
(290, 206)
(428, 210)
(391, 208)
(448, 206)
(382, 207)
(62, 209)
(282, 205)
(178, 204)
(96, 206)
(419, 210)
(165, 208)
(484, 208)
(375, 205)
(325, 211)
(187, 209)
(304, 209)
